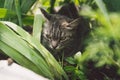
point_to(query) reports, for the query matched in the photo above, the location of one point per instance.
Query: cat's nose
(54, 44)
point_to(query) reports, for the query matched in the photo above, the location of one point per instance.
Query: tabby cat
(62, 34)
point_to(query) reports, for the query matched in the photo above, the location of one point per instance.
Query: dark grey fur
(61, 34)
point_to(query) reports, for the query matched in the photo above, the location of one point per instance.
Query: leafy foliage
(30, 53)
(16, 10)
(101, 56)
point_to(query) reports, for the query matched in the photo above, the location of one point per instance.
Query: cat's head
(58, 31)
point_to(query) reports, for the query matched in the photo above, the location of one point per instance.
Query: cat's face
(58, 31)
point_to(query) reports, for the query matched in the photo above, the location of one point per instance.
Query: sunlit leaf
(30, 45)
(5, 13)
(37, 27)
(102, 7)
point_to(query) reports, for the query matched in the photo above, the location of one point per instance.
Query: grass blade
(2, 3)
(9, 4)
(18, 11)
(37, 27)
(26, 5)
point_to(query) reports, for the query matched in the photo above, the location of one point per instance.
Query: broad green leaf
(37, 27)
(70, 60)
(14, 54)
(14, 41)
(69, 68)
(54, 67)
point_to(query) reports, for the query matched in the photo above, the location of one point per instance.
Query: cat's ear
(46, 15)
(73, 24)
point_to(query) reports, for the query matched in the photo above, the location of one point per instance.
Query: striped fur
(61, 34)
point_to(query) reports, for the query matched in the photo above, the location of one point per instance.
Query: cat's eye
(47, 36)
(63, 39)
